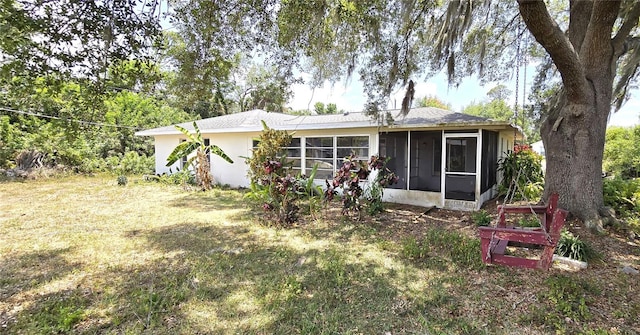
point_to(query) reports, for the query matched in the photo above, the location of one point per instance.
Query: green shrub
(270, 147)
(481, 218)
(375, 188)
(621, 152)
(310, 192)
(180, 177)
(11, 139)
(623, 195)
(349, 177)
(522, 174)
(122, 180)
(132, 163)
(273, 186)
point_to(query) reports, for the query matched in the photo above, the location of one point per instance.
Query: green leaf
(187, 133)
(216, 150)
(183, 149)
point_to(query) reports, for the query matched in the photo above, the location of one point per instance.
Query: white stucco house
(444, 159)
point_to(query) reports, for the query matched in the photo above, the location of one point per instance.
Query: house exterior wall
(163, 146)
(411, 197)
(234, 145)
(239, 145)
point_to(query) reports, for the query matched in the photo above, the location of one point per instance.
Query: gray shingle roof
(251, 121)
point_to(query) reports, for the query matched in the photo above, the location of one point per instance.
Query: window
(437, 157)
(461, 155)
(357, 145)
(207, 142)
(393, 146)
(183, 161)
(328, 152)
(319, 151)
(294, 154)
(325, 152)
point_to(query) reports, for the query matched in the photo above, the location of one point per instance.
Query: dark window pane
(361, 153)
(320, 153)
(324, 164)
(461, 155)
(353, 141)
(295, 163)
(294, 152)
(460, 187)
(326, 142)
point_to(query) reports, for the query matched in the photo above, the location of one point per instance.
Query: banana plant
(200, 162)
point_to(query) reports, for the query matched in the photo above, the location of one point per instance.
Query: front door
(460, 166)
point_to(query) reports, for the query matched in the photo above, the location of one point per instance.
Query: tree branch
(579, 14)
(597, 48)
(631, 20)
(555, 42)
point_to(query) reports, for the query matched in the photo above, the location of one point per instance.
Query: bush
(348, 178)
(621, 153)
(622, 195)
(375, 189)
(180, 177)
(132, 163)
(522, 174)
(273, 187)
(278, 192)
(270, 147)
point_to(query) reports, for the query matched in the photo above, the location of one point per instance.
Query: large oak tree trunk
(574, 130)
(574, 143)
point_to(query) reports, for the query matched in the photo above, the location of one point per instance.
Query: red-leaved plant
(349, 178)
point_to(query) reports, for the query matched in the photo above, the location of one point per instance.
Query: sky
(350, 97)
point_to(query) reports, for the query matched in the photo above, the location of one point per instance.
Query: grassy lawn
(84, 255)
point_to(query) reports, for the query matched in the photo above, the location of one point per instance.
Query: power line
(67, 119)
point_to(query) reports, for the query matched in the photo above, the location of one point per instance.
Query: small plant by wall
(481, 218)
(573, 247)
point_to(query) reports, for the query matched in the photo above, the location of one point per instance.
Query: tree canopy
(432, 101)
